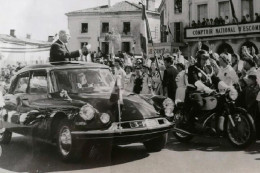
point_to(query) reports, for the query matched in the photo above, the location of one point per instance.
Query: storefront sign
(223, 30)
(161, 50)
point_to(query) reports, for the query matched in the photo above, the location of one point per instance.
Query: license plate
(136, 124)
(151, 123)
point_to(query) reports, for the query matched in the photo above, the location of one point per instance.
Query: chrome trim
(116, 128)
(127, 135)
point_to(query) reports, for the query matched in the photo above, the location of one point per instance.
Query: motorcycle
(218, 116)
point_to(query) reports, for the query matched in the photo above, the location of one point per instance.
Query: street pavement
(201, 155)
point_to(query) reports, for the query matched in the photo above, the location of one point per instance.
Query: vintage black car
(68, 103)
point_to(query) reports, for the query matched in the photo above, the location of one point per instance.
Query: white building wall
(74, 25)
(190, 12)
(213, 8)
(12, 53)
(116, 24)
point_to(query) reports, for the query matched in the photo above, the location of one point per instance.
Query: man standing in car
(60, 52)
(170, 73)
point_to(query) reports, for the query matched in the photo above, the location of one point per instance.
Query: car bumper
(139, 131)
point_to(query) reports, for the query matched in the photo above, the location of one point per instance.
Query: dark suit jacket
(169, 81)
(59, 52)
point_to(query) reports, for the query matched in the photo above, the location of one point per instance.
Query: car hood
(134, 106)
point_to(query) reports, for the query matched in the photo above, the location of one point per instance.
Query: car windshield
(83, 80)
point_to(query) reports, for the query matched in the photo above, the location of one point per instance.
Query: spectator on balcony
(198, 24)
(257, 17)
(204, 23)
(207, 22)
(227, 21)
(211, 21)
(234, 21)
(221, 21)
(248, 19)
(216, 21)
(193, 24)
(243, 19)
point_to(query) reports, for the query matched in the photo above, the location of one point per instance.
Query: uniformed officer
(200, 75)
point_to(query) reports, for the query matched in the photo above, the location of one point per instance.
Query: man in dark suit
(60, 52)
(170, 73)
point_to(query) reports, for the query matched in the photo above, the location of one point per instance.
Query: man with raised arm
(60, 52)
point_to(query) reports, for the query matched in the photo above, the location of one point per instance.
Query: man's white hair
(63, 32)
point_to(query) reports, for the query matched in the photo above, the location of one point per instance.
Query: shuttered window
(247, 8)
(224, 9)
(202, 11)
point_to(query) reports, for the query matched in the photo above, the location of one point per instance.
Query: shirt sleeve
(234, 76)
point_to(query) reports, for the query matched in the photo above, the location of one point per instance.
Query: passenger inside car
(82, 81)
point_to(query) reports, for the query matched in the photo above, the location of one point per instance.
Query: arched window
(224, 47)
(249, 46)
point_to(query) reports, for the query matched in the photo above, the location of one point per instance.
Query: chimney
(150, 5)
(50, 38)
(28, 36)
(109, 3)
(12, 33)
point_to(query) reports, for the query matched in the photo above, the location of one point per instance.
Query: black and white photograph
(130, 86)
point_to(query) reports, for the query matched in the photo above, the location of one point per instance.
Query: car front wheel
(5, 136)
(69, 148)
(156, 144)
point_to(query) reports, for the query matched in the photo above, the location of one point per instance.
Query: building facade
(112, 28)
(24, 50)
(229, 34)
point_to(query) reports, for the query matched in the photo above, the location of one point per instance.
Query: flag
(116, 97)
(233, 11)
(146, 36)
(169, 30)
(116, 94)
(145, 33)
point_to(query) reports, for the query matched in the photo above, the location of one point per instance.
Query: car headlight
(87, 112)
(168, 106)
(233, 94)
(104, 118)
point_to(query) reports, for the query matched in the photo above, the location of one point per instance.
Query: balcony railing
(224, 30)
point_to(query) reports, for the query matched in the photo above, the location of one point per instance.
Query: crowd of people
(220, 21)
(174, 75)
(6, 74)
(169, 75)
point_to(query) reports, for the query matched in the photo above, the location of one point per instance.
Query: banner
(249, 28)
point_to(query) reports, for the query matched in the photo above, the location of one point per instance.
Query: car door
(18, 89)
(34, 101)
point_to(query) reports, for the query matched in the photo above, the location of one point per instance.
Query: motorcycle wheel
(244, 133)
(182, 137)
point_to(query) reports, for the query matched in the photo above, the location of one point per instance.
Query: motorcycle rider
(201, 75)
(201, 78)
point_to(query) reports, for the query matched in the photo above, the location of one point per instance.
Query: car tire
(5, 136)
(69, 148)
(156, 144)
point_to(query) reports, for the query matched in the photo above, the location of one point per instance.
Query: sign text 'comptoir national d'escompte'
(249, 28)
